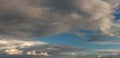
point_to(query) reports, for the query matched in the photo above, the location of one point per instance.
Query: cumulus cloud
(27, 18)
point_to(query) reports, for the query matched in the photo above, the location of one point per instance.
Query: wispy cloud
(110, 51)
(107, 42)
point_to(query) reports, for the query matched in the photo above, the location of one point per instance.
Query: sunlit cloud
(34, 48)
(9, 44)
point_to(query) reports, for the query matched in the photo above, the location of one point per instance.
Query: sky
(59, 28)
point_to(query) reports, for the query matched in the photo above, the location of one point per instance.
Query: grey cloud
(112, 51)
(23, 22)
(113, 2)
(107, 41)
(29, 18)
(56, 5)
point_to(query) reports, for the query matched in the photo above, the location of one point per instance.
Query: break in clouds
(29, 18)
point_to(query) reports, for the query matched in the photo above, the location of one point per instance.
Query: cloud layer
(49, 17)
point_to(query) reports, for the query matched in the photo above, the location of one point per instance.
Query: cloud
(108, 42)
(12, 44)
(13, 52)
(32, 48)
(33, 18)
(109, 51)
(113, 2)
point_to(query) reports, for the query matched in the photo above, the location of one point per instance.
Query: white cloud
(34, 52)
(13, 52)
(32, 48)
(11, 45)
